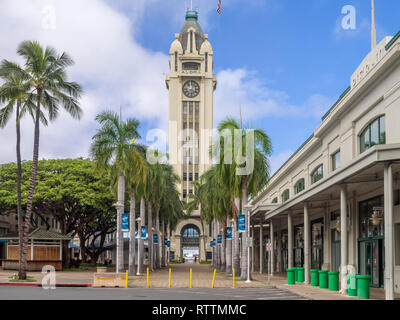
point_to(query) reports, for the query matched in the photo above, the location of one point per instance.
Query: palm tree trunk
(150, 232)
(120, 210)
(158, 263)
(228, 249)
(235, 233)
(22, 270)
(132, 231)
(31, 192)
(204, 240)
(163, 244)
(141, 244)
(244, 235)
(223, 247)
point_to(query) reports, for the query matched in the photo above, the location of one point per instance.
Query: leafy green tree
(44, 73)
(67, 190)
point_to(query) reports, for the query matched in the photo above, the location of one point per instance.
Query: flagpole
(373, 29)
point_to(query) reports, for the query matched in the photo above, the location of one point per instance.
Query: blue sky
(286, 62)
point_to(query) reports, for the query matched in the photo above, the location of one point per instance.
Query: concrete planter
(101, 269)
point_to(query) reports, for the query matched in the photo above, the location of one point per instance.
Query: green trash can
(352, 285)
(323, 279)
(314, 278)
(291, 277)
(300, 275)
(295, 273)
(363, 286)
(333, 281)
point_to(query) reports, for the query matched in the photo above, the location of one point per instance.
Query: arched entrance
(190, 243)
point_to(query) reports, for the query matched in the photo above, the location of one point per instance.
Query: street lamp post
(233, 230)
(248, 209)
(139, 220)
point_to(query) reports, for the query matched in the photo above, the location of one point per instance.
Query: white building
(336, 201)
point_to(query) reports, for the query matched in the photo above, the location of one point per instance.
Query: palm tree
(112, 145)
(136, 175)
(45, 76)
(248, 183)
(14, 93)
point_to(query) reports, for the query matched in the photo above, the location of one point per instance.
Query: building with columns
(335, 204)
(191, 85)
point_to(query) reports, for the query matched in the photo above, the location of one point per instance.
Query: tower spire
(373, 29)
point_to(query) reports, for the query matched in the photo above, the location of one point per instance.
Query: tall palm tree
(112, 145)
(14, 93)
(248, 183)
(136, 174)
(45, 74)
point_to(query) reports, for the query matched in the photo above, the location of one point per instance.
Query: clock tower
(191, 85)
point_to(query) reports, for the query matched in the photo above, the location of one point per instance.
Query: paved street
(22, 293)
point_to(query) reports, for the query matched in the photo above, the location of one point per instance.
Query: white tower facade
(191, 86)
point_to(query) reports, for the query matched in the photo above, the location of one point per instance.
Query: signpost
(143, 234)
(219, 239)
(229, 233)
(125, 222)
(155, 238)
(242, 223)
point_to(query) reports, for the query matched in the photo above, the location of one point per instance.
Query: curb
(58, 285)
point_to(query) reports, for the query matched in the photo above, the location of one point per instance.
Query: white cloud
(243, 89)
(113, 68)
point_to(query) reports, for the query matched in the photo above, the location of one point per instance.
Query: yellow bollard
(126, 279)
(191, 278)
(233, 277)
(215, 271)
(169, 281)
(148, 278)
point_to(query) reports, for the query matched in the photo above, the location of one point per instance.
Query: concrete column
(279, 249)
(261, 248)
(307, 245)
(389, 239)
(252, 248)
(272, 259)
(343, 236)
(290, 240)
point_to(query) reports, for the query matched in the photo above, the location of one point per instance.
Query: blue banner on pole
(169, 244)
(125, 222)
(143, 233)
(219, 239)
(155, 238)
(165, 242)
(211, 243)
(242, 223)
(229, 233)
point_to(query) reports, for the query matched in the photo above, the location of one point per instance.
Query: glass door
(336, 250)
(371, 260)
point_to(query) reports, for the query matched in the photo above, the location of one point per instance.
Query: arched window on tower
(206, 61)
(191, 41)
(176, 61)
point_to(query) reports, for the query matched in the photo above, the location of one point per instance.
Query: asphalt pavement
(30, 293)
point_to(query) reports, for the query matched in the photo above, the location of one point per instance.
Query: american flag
(219, 7)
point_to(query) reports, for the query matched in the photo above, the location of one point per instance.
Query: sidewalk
(315, 293)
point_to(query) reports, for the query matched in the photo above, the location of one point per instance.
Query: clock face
(191, 89)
